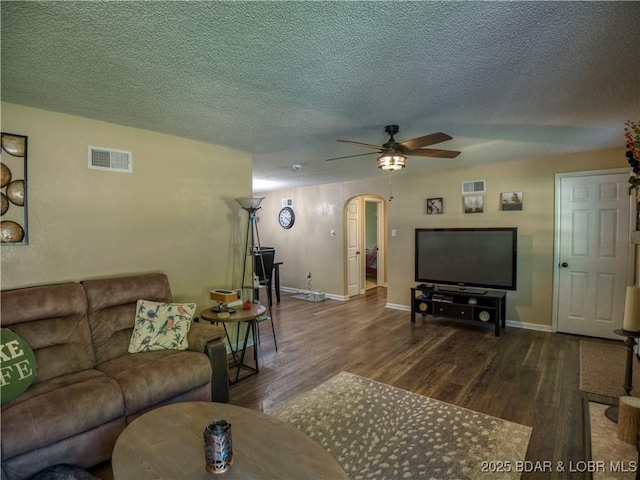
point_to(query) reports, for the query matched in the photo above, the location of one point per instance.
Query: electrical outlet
(308, 275)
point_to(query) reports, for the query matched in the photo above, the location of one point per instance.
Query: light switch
(393, 232)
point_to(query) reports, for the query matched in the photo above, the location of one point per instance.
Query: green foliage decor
(632, 136)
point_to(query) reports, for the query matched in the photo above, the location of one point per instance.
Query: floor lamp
(252, 205)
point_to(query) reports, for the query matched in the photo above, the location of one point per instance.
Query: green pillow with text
(17, 365)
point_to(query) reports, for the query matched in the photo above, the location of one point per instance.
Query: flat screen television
(467, 257)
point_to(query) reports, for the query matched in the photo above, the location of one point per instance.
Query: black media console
(487, 307)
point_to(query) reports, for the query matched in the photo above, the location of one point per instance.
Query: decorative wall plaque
(13, 190)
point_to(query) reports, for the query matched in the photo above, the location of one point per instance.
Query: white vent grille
(287, 202)
(474, 186)
(110, 159)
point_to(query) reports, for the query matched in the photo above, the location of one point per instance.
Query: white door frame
(380, 238)
(556, 235)
(382, 241)
(353, 263)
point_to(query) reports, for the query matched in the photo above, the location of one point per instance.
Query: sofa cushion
(17, 366)
(57, 409)
(112, 308)
(53, 320)
(161, 326)
(149, 378)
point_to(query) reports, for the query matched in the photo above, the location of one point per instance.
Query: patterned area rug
(379, 431)
(615, 459)
(602, 368)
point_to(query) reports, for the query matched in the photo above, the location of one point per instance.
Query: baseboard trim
(510, 323)
(340, 298)
(397, 306)
(326, 295)
(407, 308)
(530, 326)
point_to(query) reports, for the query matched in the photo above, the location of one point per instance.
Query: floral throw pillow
(161, 326)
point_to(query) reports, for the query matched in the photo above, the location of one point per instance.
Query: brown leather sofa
(88, 387)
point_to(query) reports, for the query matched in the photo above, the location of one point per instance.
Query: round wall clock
(286, 217)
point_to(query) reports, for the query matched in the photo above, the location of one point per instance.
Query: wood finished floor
(524, 376)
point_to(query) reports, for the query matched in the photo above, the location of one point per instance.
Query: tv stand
(487, 307)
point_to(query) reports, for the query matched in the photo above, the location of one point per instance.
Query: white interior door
(382, 252)
(593, 252)
(353, 247)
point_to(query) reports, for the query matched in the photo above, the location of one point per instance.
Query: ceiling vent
(474, 186)
(110, 159)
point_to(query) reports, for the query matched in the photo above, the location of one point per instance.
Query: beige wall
(308, 246)
(174, 214)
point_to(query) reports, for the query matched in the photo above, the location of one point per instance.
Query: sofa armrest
(202, 333)
(210, 340)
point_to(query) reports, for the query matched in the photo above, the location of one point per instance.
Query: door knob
(564, 264)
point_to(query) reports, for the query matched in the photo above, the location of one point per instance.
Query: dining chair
(263, 265)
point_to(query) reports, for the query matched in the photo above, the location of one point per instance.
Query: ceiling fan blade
(368, 145)
(425, 140)
(357, 155)
(431, 152)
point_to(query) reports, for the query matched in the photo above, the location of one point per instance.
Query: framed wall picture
(511, 201)
(473, 204)
(13, 188)
(435, 206)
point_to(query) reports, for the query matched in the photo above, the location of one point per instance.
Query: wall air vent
(110, 159)
(287, 202)
(474, 186)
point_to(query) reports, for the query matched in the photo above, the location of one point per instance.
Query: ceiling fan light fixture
(392, 161)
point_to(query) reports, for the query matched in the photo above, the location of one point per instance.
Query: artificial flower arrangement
(632, 136)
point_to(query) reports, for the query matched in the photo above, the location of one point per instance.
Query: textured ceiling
(285, 80)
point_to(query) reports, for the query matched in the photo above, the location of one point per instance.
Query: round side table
(240, 316)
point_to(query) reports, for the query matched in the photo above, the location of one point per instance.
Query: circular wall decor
(11, 232)
(13, 182)
(4, 204)
(15, 192)
(14, 145)
(286, 217)
(5, 175)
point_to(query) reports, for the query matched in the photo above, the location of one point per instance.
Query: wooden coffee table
(168, 442)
